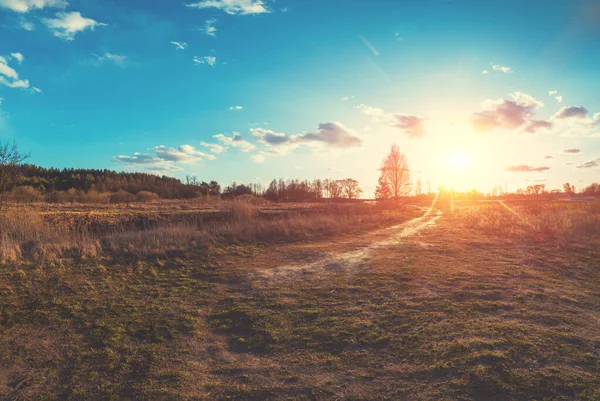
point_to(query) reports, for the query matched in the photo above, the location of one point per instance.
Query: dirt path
(351, 259)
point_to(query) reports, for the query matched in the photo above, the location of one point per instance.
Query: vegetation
(394, 180)
(10, 160)
(497, 302)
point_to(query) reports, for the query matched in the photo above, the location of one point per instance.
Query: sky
(475, 93)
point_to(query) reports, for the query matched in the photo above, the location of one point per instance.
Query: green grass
(460, 311)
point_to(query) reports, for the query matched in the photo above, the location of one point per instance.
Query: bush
(121, 197)
(146, 196)
(24, 194)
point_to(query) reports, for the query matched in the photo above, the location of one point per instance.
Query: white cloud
(236, 108)
(501, 68)
(332, 134)
(235, 141)
(210, 60)
(559, 99)
(67, 25)
(18, 56)
(214, 147)
(179, 45)
(111, 58)
(184, 153)
(259, 158)
(552, 92)
(346, 98)
(9, 76)
(6, 70)
(26, 25)
(209, 28)
(370, 111)
(36, 90)
(23, 6)
(165, 157)
(242, 7)
(513, 114)
(485, 72)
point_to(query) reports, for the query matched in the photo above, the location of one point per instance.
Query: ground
(436, 307)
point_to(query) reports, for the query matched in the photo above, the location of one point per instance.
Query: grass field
(486, 301)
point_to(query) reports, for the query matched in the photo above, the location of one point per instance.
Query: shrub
(122, 197)
(146, 196)
(25, 194)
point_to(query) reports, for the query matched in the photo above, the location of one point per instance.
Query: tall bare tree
(395, 174)
(10, 159)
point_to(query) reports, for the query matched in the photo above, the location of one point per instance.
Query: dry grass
(543, 221)
(27, 235)
(480, 307)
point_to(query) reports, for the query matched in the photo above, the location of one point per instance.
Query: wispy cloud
(236, 108)
(179, 45)
(210, 60)
(67, 25)
(572, 151)
(589, 164)
(109, 58)
(209, 28)
(502, 68)
(24, 6)
(527, 169)
(412, 126)
(242, 7)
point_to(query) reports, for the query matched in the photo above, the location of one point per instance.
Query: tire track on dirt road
(351, 259)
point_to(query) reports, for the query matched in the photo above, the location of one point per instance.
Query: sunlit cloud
(485, 72)
(328, 135)
(502, 68)
(571, 112)
(213, 147)
(572, 151)
(412, 126)
(259, 158)
(527, 169)
(512, 114)
(67, 25)
(589, 164)
(184, 153)
(241, 7)
(236, 141)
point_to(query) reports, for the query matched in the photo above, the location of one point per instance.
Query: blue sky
(475, 93)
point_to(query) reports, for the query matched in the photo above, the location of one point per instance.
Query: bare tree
(395, 174)
(350, 188)
(10, 160)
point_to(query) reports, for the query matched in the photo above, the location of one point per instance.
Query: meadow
(251, 301)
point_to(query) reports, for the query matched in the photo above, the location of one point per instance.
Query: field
(177, 301)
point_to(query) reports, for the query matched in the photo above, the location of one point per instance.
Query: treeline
(51, 180)
(34, 184)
